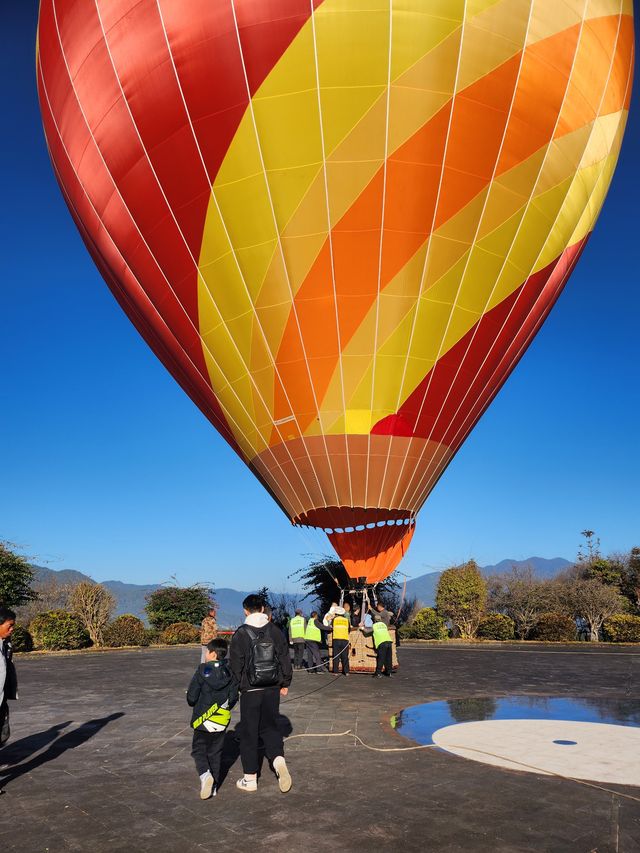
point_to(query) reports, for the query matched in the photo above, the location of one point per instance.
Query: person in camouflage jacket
(208, 632)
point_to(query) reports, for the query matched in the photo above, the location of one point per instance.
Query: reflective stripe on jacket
(380, 634)
(296, 628)
(340, 628)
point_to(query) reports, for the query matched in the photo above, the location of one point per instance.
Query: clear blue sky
(107, 467)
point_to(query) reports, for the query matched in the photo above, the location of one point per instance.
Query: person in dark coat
(8, 679)
(212, 694)
(260, 703)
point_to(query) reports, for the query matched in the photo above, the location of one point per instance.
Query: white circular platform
(602, 752)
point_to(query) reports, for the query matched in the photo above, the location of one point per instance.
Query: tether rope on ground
(533, 767)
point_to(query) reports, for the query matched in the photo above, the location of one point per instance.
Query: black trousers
(206, 751)
(384, 659)
(298, 654)
(259, 711)
(314, 659)
(5, 730)
(341, 653)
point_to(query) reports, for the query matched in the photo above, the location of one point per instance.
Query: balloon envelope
(339, 225)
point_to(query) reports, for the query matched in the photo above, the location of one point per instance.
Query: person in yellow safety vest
(312, 639)
(296, 637)
(340, 627)
(383, 645)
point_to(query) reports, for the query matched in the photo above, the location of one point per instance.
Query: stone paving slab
(99, 761)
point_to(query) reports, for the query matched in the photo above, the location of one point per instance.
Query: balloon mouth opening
(348, 519)
(370, 542)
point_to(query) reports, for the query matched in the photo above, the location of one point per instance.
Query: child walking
(212, 694)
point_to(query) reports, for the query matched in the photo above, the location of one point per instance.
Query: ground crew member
(383, 645)
(381, 614)
(340, 641)
(312, 639)
(296, 636)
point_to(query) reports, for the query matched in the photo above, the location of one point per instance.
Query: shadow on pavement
(70, 740)
(26, 746)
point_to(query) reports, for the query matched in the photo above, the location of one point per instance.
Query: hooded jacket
(211, 684)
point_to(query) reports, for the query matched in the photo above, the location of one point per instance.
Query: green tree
(16, 578)
(170, 604)
(630, 578)
(461, 597)
(605, 570)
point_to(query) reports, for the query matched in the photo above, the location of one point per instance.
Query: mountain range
(131, 597)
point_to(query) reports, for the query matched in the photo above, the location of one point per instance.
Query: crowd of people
(256, 669)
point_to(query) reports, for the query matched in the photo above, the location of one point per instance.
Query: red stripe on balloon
(155, 137)
(128, 291)
(441, 403)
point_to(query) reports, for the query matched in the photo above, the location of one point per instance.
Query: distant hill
(131, 597)
(63, 576)
(542, 567)
(424, 587)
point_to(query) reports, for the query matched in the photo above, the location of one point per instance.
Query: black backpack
(263, 666)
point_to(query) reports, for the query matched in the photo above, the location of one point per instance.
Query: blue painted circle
(566, 742)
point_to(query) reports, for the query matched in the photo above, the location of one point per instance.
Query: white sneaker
(206, 786)
(247, 784)
(282, 772)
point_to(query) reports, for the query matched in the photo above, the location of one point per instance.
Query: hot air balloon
(338, 224)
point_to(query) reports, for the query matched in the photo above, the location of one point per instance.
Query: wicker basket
(362, 655)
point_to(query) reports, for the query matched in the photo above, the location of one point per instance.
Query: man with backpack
(260, 663)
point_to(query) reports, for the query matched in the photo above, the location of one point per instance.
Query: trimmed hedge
(621, 628)
(426, 625)
(496, 626)
(125, 630)
(21, 639)
(179, 633)
(556, 627)
(57, 630)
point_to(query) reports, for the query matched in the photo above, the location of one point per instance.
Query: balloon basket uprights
(362, 653)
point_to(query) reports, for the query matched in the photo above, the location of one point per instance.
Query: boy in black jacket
(212, 694)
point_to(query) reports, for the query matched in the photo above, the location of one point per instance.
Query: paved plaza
(99, 760)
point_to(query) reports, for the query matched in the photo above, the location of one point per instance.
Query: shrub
(621, 628)
(58, 629)
(169, 605)
(427, 625)
(152, 636)
(21, 639)
(178, 633)
(496, 626)
(553, 626)
(125, 630)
